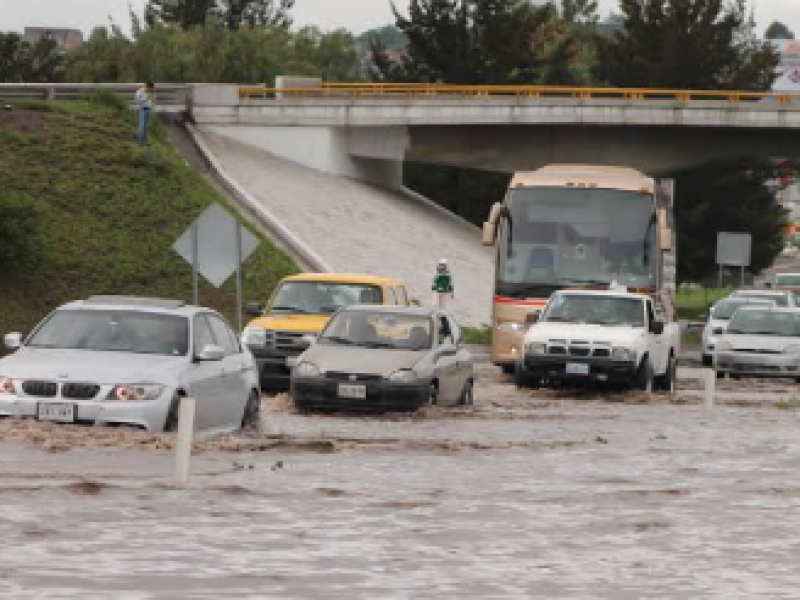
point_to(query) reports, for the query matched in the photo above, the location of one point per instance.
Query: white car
(760, 342)
(127, 361)
(608, 337)
(718, 319)
(780, 297)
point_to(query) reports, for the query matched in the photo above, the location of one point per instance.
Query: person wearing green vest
(442, 285)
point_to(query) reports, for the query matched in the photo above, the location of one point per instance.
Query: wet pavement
(528, 494)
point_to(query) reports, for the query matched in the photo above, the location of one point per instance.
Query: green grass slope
(104, 213)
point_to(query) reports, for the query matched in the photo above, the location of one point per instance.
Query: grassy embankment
(105, 212)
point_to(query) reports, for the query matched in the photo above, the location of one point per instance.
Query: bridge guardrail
(169, 97)
(380, 90)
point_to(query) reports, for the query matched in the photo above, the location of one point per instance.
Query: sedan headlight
(536, 348)
(403, 376)
(306, 369)
(512, 327)
(135, 392)
(724, 347)
(254, 336)
(622, 354)
(7, 386)
(793, 349)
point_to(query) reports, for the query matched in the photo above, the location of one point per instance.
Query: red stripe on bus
(502, 300)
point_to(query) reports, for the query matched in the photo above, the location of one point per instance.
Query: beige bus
(576, 226)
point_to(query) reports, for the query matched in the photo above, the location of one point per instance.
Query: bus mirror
(489, 233)
(494, 214)
(665, 239)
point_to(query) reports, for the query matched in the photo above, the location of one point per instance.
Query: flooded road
(528, 494)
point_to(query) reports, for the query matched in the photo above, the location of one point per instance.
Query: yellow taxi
(300, 307)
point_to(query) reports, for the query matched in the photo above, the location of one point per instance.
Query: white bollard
(710, 388)
(183, 441)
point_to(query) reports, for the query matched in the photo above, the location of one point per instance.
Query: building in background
(67, 39)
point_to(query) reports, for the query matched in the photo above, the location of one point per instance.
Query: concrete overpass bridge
(366, 131)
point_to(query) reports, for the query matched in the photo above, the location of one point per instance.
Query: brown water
(528, 494)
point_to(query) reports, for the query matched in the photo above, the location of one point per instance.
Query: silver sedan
(385, 358)
(128, 361)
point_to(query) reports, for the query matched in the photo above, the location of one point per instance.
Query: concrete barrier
(183, 441)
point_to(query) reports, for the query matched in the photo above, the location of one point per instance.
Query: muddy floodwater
(525, 495)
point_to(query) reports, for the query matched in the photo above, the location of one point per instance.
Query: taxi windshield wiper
(293, 309)
(338, 340)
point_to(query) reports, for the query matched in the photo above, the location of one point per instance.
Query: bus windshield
(559, 237)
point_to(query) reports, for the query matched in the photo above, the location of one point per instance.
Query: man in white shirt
(145, 98)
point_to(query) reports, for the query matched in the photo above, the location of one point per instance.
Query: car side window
(444, 330)
(202, 334)
(223, 335)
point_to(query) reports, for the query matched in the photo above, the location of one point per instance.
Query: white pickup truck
(612, 337)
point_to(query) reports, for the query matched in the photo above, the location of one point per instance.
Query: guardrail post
(183, 441)
(709, 390)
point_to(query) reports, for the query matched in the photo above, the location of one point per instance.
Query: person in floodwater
(145, 101)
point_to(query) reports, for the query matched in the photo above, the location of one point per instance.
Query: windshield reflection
(595, 310)
(562, 237)
(379, 330)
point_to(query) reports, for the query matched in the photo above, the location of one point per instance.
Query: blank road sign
(216, 244)
(733, 249)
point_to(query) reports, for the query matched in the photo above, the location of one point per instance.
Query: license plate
(60, 413)
(577, 369)
(352, 391)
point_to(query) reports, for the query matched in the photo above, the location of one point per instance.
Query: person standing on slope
(442, 285)
(145, 99)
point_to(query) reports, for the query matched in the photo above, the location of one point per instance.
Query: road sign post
(733, 250)
(216, 246)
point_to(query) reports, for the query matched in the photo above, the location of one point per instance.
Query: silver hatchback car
(127, 361)
(372, 358)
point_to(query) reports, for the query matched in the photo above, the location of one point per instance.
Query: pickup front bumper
(590, 369)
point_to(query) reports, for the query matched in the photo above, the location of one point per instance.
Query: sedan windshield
(114, 331)
(765, 322)
(725, 309)
(787, 279)
(316, 297)
(592, 309)
(391, 331)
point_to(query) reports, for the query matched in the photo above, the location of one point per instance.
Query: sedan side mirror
(12, 341)
(254, 309)
(211, 353)
(657, 327)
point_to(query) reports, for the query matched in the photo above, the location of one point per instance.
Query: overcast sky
(356, 15)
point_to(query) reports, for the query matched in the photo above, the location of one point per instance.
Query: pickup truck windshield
(576, 236)
(765, 322)
(320, 298)
(594, 309)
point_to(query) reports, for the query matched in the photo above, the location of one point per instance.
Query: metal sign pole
(239, 275)
(195, 264)
(741, 277)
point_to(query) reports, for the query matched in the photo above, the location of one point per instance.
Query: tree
(475, 42)
(21, 61)
(778, 31)
(579, 11)
(726, 197)
(185, 13)
(256, 13)
(689, 44)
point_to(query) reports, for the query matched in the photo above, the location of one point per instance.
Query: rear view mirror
(12, 341)
(254, 309)
(211, 353)
(657, 327)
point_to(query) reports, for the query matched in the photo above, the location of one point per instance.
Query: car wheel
(708, 360)
(644, 376)
(171, 424)
(252, 412)
(433, 394)
(666, 382)
(523, 379)
(468, 395)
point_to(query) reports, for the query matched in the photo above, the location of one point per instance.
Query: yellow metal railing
(415, 90)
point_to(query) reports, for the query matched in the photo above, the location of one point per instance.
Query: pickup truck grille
(40, 389)
(288, 343)
(579, 348)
